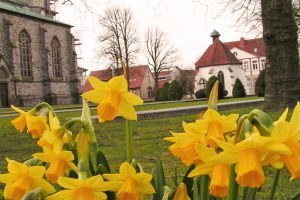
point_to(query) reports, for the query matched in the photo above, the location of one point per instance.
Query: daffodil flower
(289, 134)
(184, 143)
(215, 125)
(219, 172)
(60, 163)
(129, 184)
(113, 98)
(22, 179)
(36, 125)
(54, 136)
(20, 122)
(249, 155)
(181, 193)
(81, 189)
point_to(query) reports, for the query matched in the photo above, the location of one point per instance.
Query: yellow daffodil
(249, 155)
(82, 189)
(219, 172)
(53, 137)
(60, 163)
(22, 179)
(289, 134)
(130, 185)
(113, 98)
(184, 143)
(36, 125)
(181, 193)
(215, 125)
(20, 122)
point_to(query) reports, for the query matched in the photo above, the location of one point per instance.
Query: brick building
(37, 55)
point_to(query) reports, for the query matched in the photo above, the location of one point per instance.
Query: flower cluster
(68, 166)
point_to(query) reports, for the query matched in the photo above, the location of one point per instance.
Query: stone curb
(189, 110)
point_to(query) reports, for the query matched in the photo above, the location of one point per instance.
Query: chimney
(242, 42)
(215, 35)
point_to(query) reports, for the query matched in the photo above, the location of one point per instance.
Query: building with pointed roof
(219, 61)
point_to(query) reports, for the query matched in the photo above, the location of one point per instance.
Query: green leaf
(33, 195)
(159, 179)
(297, 197)
(101, 169)
(189, 181)
(101, 159)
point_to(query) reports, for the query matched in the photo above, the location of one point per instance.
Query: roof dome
(215, 34)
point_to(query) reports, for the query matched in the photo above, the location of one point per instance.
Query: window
(254, 65)
(56, 58)
(221, 77)
(235, 54)
(255, 50)
(246, 65)
(149, 91)
(202, 83)
(263, 63)
(25, 54)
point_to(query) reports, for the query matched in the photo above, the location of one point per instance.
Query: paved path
(168, 112)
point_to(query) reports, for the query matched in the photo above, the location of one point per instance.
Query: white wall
(231, 73)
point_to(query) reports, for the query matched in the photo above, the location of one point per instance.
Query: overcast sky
(187, 24)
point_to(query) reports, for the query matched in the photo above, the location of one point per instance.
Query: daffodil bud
(181, 193)
(213, 97)
(82, 142)
(262, 121)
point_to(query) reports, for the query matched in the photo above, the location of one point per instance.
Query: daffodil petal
(64, 194)
(7, 178)
(113, 177)
(200, 170)
(16, 167)
(127, 110)
(100, 196)
(94, 96)
(205, 153)
(17, 109)
(295, 119)
(37, 171)
(111, 185)
(145, 188)
(46, 186)
(97, 84)
(225, 157)
(144, 177)
(43, 157)
(127, 170)
(66, 155)
(132, 98)
(118, 83)
(68, 183)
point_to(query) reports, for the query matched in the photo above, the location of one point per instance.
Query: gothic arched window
(221, 77)
(56, 58)
(25, 54)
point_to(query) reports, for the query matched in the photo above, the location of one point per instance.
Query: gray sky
(187, 24)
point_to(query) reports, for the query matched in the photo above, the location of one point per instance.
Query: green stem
(245, 193)
(274, 185)
(204, 182)
(128, 141)
(233, 186)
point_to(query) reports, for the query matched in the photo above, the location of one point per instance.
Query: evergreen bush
(200, 94)
(175, 91)
(260, 84)
(238, 89)
(209, 85)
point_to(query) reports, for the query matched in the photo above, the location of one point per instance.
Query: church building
(219, 61)
(37, 56)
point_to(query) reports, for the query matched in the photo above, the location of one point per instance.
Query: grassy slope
(148, 141)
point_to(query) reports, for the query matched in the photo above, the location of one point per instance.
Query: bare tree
(119, 37)
(160, 54)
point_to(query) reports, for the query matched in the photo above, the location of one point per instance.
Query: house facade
(219, 61)
(141, 80)
(251, 53)
(37, 55)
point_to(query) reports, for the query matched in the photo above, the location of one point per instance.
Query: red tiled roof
(136, 75)
(217, 54)
(249, 45)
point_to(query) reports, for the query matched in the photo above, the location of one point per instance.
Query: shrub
(209, 85)
(260, 84)
(238, 89)
(164, 92)
(175, 91)
(200, 93)
(158, 95)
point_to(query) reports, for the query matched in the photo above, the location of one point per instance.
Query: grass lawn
(148, 142)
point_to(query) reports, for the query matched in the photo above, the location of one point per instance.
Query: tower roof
(217, 54)
(215, 33)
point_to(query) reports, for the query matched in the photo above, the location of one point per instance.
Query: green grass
(148, 142)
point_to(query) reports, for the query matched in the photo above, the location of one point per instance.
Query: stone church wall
(42, 86)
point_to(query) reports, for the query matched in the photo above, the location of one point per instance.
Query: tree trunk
(282, 73)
